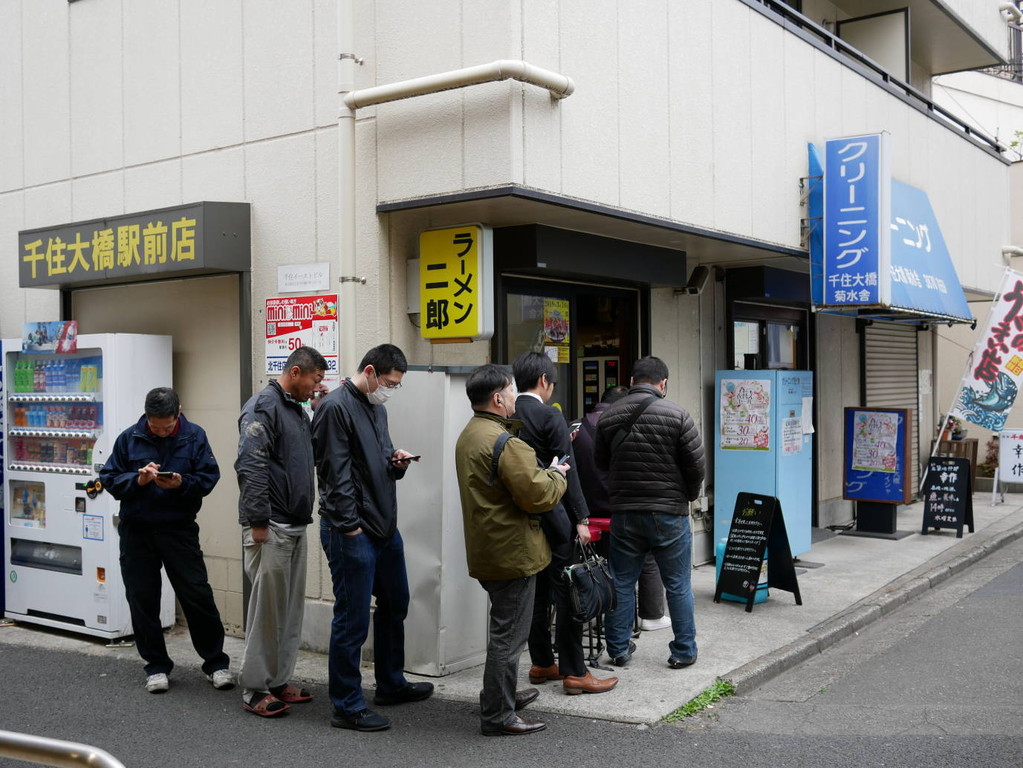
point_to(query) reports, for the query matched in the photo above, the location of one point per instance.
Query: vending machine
(597, 374)
(763, 444)
(63, 412)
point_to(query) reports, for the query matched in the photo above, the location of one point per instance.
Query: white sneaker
(652, 625)
(158, 683)
(222, 679)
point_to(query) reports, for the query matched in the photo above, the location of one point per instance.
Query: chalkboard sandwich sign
(757, 525)
(948, 495)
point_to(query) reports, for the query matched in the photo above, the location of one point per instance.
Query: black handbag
(591, 590)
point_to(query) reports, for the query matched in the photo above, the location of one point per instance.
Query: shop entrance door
(591, 332)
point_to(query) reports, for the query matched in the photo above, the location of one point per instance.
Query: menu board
(948, 495)
(757, 525)
(877, 458)
(745, 414)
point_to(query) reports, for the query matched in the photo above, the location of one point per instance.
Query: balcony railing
(827, 42)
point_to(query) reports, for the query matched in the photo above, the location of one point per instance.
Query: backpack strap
(622, 433)
(498, 447)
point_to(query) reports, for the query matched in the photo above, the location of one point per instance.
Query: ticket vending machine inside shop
(63, 412)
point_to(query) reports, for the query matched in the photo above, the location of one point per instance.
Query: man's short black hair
(613, 394)
(529, 367)
(162, 402)
(307, 359)
(385, 358)
(649, 370)
(484, 382)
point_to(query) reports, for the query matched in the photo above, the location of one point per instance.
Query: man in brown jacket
(502, 500)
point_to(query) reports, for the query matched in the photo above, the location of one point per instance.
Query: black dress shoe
(517, 727)
(411, 692)
(525, 697)
(621, 661)
(680, 663)
(365, 720)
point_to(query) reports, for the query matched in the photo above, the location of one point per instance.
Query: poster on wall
(301, 321)
(556, 330)
(745, 414)
(873, 446)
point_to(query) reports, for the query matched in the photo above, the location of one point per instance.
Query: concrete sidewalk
(857, 582)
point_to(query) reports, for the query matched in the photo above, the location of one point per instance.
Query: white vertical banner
(995, 367)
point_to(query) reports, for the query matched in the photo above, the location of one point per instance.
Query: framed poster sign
(876, 464)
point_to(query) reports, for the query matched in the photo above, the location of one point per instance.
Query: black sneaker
(411, 692)
(679, 664)
(365, 720)
(621, 661)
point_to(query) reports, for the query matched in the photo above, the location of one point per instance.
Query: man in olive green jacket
(504, 544)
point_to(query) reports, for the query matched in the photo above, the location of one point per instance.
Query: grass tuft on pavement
(719, 690)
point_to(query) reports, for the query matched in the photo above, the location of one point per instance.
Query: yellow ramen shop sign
(456, 289)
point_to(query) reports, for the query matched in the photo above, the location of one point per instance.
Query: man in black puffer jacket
(653, 454)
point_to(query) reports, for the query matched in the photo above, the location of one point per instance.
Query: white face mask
(380, 395)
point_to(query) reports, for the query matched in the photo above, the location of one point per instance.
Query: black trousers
(143, 550)
(568, 634)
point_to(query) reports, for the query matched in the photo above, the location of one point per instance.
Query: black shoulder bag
(622, 433)
(591, 590)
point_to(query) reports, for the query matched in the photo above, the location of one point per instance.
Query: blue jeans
(670, 539)
(362, 567)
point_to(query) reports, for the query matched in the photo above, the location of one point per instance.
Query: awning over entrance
(902, 272)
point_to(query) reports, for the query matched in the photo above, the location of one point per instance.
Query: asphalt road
(938, 683)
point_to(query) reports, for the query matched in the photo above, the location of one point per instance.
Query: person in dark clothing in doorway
(544, 429)
(160, 469)
(357, 467)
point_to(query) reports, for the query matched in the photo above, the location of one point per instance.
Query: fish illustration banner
(992, 379)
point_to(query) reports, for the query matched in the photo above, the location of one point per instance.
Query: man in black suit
(544, 429)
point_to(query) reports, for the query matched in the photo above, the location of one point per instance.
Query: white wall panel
(774, 211)
(153, 185)
(48, 205)
(278, 67)
(216, 175)
(12, 158)
(97, 111)
(541, 120)
(45, 98)
(325, 61)
(643, 99)
(212, 79)
(589, 128)
(95, 196)
(733, 121)
(326, 198)
(12, 216)
(152, 81)
(691, 98)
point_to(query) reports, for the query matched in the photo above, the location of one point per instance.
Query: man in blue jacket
(357, 467)
(160, 470)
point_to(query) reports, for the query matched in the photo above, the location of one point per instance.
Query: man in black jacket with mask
(357, 467)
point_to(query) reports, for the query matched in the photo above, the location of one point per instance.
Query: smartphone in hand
(168, 475)
(407, 458)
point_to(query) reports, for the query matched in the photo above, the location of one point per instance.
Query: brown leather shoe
(525, 697)
(520, 726)
(540, 675)
(588, 684)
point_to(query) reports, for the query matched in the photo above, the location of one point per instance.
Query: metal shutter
(890, 376)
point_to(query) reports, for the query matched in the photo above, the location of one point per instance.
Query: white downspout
(350, 100)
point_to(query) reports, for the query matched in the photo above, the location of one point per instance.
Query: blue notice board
(876, 464)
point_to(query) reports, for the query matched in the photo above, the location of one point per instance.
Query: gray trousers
(511, 611)
(273, 623)
(651, 590)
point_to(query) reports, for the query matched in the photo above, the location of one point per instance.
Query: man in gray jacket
(654, 456)
(357, 467)
(275, 504)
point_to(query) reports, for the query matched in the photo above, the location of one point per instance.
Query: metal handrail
(54, 752)
(835, 43)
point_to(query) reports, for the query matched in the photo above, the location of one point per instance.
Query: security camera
(697, 281)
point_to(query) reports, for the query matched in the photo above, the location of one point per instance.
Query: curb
(869, 610)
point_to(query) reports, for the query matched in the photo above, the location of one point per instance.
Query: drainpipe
(559, 87)
(1008, 251)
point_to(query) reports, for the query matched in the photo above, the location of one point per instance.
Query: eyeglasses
(386, 384)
